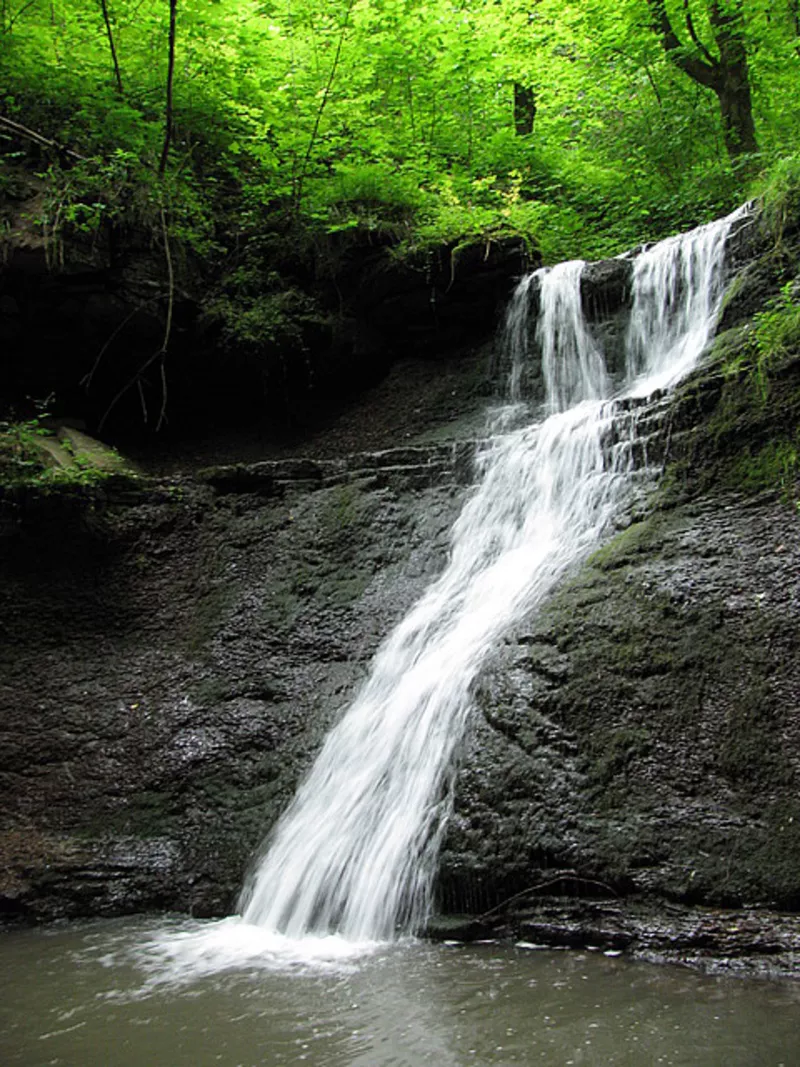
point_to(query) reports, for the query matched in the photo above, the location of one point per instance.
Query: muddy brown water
(80, 995)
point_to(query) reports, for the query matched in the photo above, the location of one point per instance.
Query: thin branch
(653, 86)
(86, 380)
(625, 55)
(160, 353)
(168, 324)
(135, 379)
(142, 400)
(13, 18)
(107, 20)
(566, 877)
(322, 104)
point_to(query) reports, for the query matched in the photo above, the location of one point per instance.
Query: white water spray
(355, 853)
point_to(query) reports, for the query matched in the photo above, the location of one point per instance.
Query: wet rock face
(171, 663)
(436, 301)
(605, 290)
(643, 731)
(171, 660)
(606, 287)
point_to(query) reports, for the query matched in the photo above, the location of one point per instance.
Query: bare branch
(160, 354)
(563, 876)
(168, 324)
(86, 380)
(37, 138)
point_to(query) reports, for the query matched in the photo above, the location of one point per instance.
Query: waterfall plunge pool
(92, 993)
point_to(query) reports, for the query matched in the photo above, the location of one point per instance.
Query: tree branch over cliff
(168, 114)
(698, 69)
(37, 138)
(727, 76)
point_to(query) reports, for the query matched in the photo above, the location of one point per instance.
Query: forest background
(582, 127)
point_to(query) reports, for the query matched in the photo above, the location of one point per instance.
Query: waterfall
(677, 289)
(573, 367)
(355, 853)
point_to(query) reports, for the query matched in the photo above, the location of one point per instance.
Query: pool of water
(111, 994)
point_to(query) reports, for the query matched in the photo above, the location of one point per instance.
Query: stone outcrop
(653, 704)
(171, 658)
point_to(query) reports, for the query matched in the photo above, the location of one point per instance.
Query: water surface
(85, 994)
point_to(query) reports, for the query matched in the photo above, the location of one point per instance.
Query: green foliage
(26, 461)
(250, 316)
(776, 465)
(371, 196)
(779, 193)
(97, 194)
(391, 116)
(768, 344)
(758, 360)
(20, 456)
(777, 333)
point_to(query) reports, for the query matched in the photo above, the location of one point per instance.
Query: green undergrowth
(767, 344)
(778, 192)
(26, 459)
(773, 346)
(775, 465)
(561, 205)
(753, 431)
(749, 442)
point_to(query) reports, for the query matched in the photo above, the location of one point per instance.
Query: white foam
(201, 949)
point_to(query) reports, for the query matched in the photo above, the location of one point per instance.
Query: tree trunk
(162, 166)
(736, 109)
(524, 109)
(732, 84)
(727, 74)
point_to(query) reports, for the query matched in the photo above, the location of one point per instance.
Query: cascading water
(573, 367)
(355, 852)
(677, 288)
